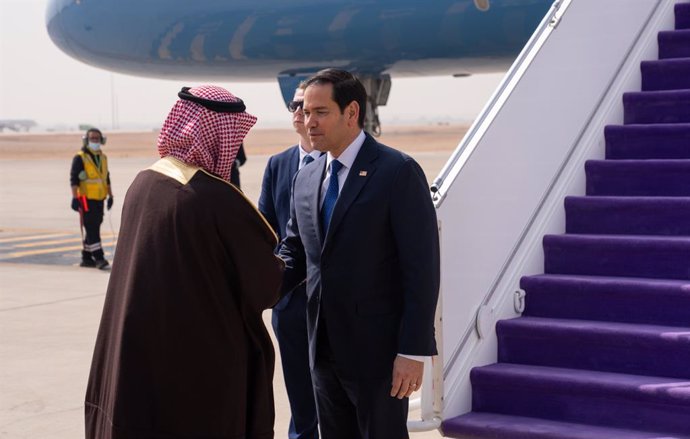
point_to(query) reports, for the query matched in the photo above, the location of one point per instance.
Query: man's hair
(346, 88)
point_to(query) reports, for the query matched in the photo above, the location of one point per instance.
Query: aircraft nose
(56, 23)
(67, 21)
(76, 27)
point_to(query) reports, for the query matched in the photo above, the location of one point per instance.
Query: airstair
(598, 345)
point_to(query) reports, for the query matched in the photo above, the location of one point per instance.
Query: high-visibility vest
(95, 185)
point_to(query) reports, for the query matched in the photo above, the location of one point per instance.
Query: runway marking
(34, 237)
(33, 305)
(59, 241)
(44, 243)
(50, 250)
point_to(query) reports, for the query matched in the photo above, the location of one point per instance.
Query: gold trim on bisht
(182, 172)
(175, 169)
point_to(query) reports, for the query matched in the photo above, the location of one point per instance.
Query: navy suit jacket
(274, 201)
(374, 279)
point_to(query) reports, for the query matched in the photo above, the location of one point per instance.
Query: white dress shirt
(347, 159)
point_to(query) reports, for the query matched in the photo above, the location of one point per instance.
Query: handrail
(431, 401)
(476, 132)
(469, 142)
(560, 9)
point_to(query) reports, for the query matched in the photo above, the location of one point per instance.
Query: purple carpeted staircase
(602, 350)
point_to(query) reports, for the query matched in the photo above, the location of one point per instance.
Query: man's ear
(352, 111)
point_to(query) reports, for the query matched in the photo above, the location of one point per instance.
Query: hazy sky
(39, 82)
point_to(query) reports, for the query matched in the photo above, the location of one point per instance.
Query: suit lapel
(294, 162)
(362, 170)
(316, 173)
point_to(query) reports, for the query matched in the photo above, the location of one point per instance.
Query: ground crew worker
(90, 181)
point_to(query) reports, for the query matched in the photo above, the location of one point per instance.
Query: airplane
(562, 213)
(17, 124)
(259, 41)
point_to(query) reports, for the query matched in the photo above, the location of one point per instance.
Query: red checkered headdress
(205, 128)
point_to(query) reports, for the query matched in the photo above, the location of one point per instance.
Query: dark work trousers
(92, 225)
(290, 327)
(355, 408)
(235, 171)
(235, 175)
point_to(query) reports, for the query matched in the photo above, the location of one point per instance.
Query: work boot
(101, 264)
(89, 263)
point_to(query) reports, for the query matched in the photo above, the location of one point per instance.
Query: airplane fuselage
(251, 40)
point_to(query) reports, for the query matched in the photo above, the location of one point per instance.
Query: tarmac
(50, 308)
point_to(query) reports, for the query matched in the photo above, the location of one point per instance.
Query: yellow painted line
(34, 238)
(45, 243)
(48, 250)
(59, 241)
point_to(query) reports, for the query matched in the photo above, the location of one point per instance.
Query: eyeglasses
(295, 105)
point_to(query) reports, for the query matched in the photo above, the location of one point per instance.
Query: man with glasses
(289, 315)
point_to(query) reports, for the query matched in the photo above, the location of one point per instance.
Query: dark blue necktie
(306, 160)
(331, 196)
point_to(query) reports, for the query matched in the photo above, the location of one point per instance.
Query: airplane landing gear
(378, 87)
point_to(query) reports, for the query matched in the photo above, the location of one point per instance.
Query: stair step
(596, 398)
(665, 106)
(674, 44)
(665, 74)
(476, 425)
(638, 177)
(613, 299)
(627, 256)
(628, 215)
(682, 11)
(602, 346)
(657, 141)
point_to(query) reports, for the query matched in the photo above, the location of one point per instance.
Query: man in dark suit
(370, 254)
(289, 315)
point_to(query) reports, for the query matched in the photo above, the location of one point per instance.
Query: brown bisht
(182, 351)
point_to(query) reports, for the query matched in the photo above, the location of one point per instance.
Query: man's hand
(110, 202)
(407, 376)
(76, 204)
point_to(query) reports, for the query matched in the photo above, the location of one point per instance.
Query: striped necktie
(331, 196)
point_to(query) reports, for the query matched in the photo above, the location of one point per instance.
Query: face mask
(95, 146)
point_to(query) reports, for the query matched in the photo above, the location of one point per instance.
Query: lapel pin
(362, 173)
